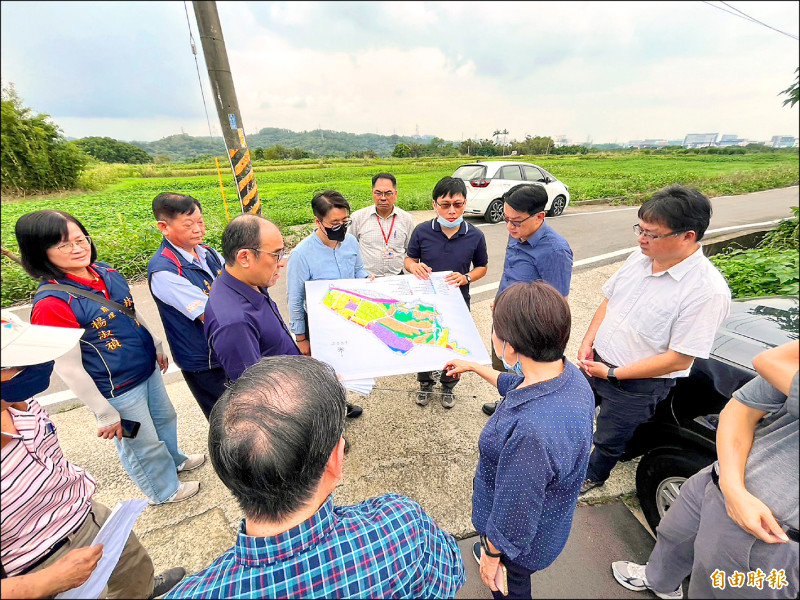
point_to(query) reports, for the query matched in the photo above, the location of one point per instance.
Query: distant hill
(323, 142)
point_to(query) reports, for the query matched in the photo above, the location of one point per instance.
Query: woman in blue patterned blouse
(535, 448)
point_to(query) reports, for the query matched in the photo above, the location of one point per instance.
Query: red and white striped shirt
(43, 497)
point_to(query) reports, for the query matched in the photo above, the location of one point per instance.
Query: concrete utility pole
(219, 74)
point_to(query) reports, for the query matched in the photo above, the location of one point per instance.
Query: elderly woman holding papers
(534, 449)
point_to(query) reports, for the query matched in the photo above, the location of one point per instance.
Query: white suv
(488, 181)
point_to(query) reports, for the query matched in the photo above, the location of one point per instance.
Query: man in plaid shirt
(275, 440)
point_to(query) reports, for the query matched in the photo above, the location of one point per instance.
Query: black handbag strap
(58, 287)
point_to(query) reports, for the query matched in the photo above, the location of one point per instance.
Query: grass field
(119, 219)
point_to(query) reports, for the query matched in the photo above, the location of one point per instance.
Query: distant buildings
(700, 140)
(715, 140)
(783, 141)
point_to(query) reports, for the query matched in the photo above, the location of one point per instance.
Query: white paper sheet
(113, 535)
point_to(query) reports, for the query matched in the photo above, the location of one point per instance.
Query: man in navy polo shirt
(180, 275)
(242, 321)
(446, 243)
(534, 252)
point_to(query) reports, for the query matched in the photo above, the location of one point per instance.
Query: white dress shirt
(383, 240)
(648, 313)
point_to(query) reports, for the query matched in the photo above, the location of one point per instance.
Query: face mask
(445, 223)
(517, 368)
(27, 383)
(337, 235)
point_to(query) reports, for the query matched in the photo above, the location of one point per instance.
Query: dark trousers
(519, 581)
(623, 407)
(426, 378)
(206, 387)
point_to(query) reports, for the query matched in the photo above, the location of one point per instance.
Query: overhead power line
(197, 66)
(743, 15)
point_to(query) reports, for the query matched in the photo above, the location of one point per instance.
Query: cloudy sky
(599, 71)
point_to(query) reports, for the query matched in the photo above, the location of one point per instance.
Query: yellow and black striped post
(219, 74)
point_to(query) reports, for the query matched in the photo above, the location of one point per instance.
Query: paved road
(597, 234)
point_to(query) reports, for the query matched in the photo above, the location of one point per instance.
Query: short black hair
(272, 432)
(449, 186)
(388, 176)
(534, 318)
(526, 198)
(168, 205)
(323, 202)
(678, 207)
(36, 233)
(244, 231)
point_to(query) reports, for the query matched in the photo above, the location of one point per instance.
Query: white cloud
(609, 70)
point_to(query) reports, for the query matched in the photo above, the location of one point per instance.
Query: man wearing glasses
(328, 253)
(447, 243)
(180, 274)
(242, 322)
(383, 230)
(662, 310)
(535, 251)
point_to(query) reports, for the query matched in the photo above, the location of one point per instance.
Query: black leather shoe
(354, 411)
(489, 408)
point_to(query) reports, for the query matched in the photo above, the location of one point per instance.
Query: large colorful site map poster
(390, 326)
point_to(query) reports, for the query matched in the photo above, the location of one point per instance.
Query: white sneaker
(632, 576)
(185, 490)
(194, 461)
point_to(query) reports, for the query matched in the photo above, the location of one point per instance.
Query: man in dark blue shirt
(535, 250)
(242, 322)
(446, 243)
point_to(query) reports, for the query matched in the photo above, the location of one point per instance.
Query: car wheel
(494, 212)
(659, 478)
(558, 206)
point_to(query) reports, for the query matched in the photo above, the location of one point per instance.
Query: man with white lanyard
(382, 230)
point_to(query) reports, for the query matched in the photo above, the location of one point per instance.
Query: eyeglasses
(637, 229)
(379, 194)
(338, 226)
(279, 255)
(456, 205)
(83, 243)
(517, 223)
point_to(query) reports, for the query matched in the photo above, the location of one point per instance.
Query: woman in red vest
(115, 368)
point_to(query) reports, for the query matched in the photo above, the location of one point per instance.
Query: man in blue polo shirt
(535, 250)
(242, 321)
(446, 243)
(180, 275)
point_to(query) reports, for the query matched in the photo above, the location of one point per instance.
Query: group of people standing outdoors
(276, 415)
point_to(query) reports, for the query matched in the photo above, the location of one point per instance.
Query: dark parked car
(680, 439)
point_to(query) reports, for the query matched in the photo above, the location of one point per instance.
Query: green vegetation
(109, 150)
(793, 91)
(769, 269)
(35, 155)
(117, 213)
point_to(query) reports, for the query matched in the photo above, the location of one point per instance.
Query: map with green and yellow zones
(399, 325)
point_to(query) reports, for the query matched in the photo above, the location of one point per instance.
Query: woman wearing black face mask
(328, 253)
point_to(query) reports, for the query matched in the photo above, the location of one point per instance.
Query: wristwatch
(611, 377)
(469, 279)
(485, 548)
